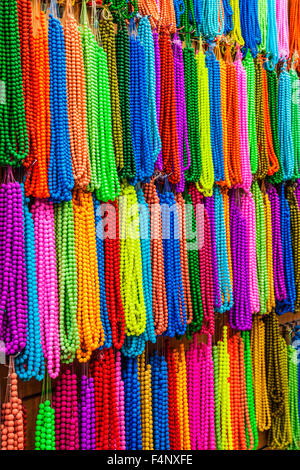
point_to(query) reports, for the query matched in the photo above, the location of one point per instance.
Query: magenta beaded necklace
(13, 279)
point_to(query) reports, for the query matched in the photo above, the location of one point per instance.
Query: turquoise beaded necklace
(31, 363)
(146, 39)
(285, 125)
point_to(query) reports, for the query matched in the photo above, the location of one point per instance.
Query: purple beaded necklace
(297, 193)
(13, 279)
(182, 131)
(210, 207)
(278, 268)
(240, 316)
(87, 414)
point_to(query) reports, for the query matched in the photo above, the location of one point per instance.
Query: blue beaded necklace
(287, 305)
(179, 8)
(146, 38)
(139, 115)
(60, 175)
(30, 363)
(228, 13)
(145, 234)
(160, 413)
(250, 25)
(173, 277)
(285, 125)
(101, 273)
(216, 137)
(132, 399)
(198, 15)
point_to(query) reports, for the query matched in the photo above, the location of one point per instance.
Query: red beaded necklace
(174, 429)
(112, 274)
(167, 123)
(103, 370)
(205, 260)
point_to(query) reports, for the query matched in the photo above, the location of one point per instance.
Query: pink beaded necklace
(43, 217)
(282, 28)
(120, 401)
(66, 412)
(200, 372)
(205, 260)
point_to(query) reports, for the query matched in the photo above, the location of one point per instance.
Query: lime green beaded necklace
(217, 400)
(250, 393)
(224, 391)
(67, 280)
(263, 23)
(206, 182)
(13, 131)
(261, 251)
(293, 398)
(131, 262)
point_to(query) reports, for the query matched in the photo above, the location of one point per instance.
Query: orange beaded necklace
(76, 100)
(90, 329)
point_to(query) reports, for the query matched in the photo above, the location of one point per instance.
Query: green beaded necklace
(273, 110)
(45, 421)
(194, 273)
(250, 71)
(192, 111)
(45, 427)
(67, 280)
(122, 54)
(13, 131)
(295, 120)
(104, 178)
(106, 39)
(187, 18)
